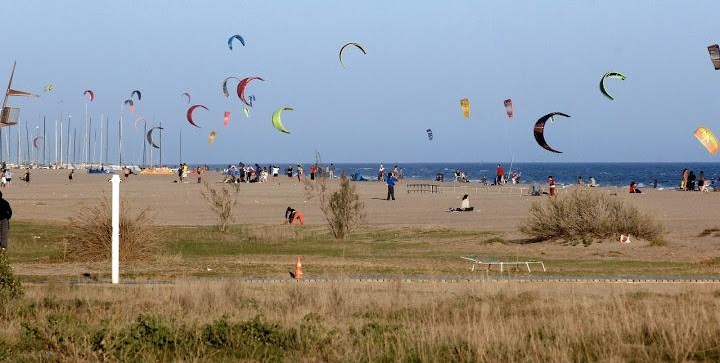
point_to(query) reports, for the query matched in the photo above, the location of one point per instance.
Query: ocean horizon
(667, 174)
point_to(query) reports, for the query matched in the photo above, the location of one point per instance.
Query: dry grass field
(191, 299)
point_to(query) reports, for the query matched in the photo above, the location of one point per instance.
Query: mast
(7, 91)
(102, 115)
(44, 139)
(161, 144)
(67, 157)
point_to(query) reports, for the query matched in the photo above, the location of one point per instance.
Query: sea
(667, 175)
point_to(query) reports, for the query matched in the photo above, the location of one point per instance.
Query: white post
(115, 228)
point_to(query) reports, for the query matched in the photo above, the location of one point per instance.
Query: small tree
(10, 287)
(222, 200)
(342, 208)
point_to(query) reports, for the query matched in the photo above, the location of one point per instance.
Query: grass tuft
(90, 232)
(582, 216)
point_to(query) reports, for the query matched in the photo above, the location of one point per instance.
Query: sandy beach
(50, 196)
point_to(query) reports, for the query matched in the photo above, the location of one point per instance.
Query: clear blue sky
(422, 58)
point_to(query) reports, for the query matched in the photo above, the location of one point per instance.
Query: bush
(222, 200)
(586, 215)
(90, 233)
(343, 209)
(10, 287)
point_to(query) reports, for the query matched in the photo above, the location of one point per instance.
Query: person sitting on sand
(593, 183)
(634, 188)
(292, 215)
(464, 205)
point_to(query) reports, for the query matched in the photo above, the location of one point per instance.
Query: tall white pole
(115, 248)
(86, 150)
(61, 159)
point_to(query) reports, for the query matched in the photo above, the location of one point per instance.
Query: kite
(465, 105)
(251, 99)
(343, 49)
(509, 107)
(241, 88)
(429, 133)
(149, 136)
(138, 120)
(226, 119)
(602, 82)
(136, 92)
(277, 121)
(35, 142)
(540, 129)
(708, 139)
(190, 114)
(238, 37)
(90, 93)
(714, 51)
(48, 88)
(246, 111)
(225, 91)
(211, 137)
(186, 95)
(130, 103)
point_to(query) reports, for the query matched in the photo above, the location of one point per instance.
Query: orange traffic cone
(298, 268)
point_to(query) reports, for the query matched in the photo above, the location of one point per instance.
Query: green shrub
(10, 287)
(586, 215)
(342, 208)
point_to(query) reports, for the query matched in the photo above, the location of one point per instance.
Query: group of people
(243, 173)
(396, 171)
(691, 182)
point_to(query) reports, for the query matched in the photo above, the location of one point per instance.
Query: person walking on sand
(391, 180)
(300, 172)
(381, 173)
(5, 215)
(500, 173)
(8, 177)
(551, 182)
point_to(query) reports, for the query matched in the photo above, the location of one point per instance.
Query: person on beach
(3, 181)
(126, 172)
(331, 171)
(300, 172)
(702, 182)
(199, 172)
(691, 182)
(275, 171)
(580, 180)
(180, 169)
(70, 176)
(5, 215)
(634, 188)
(500, 174)
(683, 182)
(289, 171)
(26, 178)
(292, 215)
(390, 181)
(381, 173)
(464, 205)
(551, 183)
(313, 169)
(593, 183)
(8, 177)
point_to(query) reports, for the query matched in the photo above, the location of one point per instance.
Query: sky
(422, 58)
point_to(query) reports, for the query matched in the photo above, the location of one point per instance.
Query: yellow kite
(465, 105)
(708, 139)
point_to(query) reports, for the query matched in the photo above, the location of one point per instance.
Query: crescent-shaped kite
(246, 111)
(48, 88)
(190, 114)
(186, 95)
(540, 129)
(138, 120)
(241, 88)
(35, 142)
(149, 136)
(89, 93)
(277, 120)
(429, 134)
(465, 106)
(136, 92)
(708, 139)
(610, 75)
(130, 103)
(224, 87)
(226, 119)
(509, 108)
(342, 49)
(238, 37)
(714, 51)
(211, 137)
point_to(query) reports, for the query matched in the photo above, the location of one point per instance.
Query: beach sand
(50, 196)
